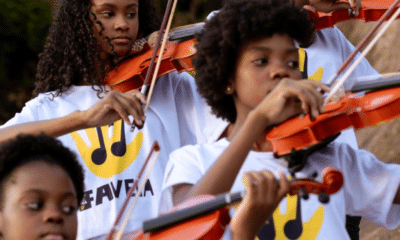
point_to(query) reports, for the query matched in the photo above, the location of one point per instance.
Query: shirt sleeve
(370, 186)
(28, 113)
(183, 167)
(196, 122)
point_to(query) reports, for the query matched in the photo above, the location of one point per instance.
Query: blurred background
(23, 29)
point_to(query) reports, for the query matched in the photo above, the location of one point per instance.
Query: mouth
(54, 236)
(122, 40)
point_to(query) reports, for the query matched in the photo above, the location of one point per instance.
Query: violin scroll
(332, 183)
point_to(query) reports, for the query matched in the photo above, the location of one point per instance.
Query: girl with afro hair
(247, 67)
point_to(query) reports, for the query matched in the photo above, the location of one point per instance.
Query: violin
(371, 10)
(206, 217)
(177, 56)
(358, 110)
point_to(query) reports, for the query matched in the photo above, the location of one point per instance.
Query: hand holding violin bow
(327, 6)
(206, 217)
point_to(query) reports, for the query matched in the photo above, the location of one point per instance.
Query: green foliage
(189, 11)
(23, 29)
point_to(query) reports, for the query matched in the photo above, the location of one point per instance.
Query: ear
(230, 89)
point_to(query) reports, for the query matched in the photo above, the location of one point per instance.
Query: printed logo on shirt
(303, 63)
(108, 156)
(108, 192)
(291, 224)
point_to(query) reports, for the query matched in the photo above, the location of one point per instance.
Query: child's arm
(329, 5)
(263, 194)
(288, 99)
(114, 106)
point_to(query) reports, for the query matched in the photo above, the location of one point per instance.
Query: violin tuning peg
(313, 175)
(303, 194)
(323, 198)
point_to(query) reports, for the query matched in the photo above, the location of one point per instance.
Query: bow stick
(154, 148)
(120, 232)
(171, 7)
(340, 82)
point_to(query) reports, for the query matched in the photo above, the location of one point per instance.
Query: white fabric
(177, 116)
(369, 188)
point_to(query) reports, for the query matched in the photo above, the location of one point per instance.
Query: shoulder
(200, 151)
(180, 79)
(75, 98)
(345, 156)
(329, 38)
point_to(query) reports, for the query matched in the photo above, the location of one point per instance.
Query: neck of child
(259, 145)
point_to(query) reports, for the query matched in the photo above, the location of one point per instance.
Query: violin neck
(185, 214)
(186, 32)
(376, 82)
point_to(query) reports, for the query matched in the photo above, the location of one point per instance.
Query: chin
(120, 52)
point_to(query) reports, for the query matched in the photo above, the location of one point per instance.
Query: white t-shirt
(369, 189)
(177, 116)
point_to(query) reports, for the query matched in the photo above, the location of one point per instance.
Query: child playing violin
(323, 58)
(86, 40)
(41, 186)
(247, 69)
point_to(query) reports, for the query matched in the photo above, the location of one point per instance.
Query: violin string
(164, 42)
(345, 76)
(143, 183)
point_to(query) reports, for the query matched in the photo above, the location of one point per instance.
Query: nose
(121, 23)
(53, 214)
(278, 71)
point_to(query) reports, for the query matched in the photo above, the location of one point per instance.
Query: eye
(34, 205)
(261, 61)
(68, 209)
(107, 14)
(131, 14)
(293, 64)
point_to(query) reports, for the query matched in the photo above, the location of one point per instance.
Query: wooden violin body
(131, 73)
(355, 110)
(371, 10)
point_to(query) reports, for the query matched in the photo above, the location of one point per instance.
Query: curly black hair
(71, 53)
(236, 24)
(27, 148)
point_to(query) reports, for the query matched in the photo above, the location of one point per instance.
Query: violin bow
(121, 231)
(340, 82)
(155, 148)
(164, 26)
(162, 35)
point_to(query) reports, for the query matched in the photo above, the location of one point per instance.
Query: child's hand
(263, 194)
(153, 39)
(114, 106)
(334, 5)
(290, 98)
